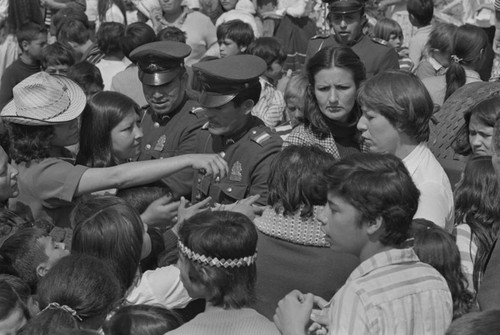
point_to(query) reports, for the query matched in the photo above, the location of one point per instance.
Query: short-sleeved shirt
(392, 292)
(47, 187)
(249, 157)
(172, 136)
(376, 57)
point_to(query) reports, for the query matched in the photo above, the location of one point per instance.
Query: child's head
(421, 12)
(110, 132)
(65, 15)
(140, 197)
(79, 291)
(296, 179)
(142, 319)
(234, 37)
(390, 31)
(171, 34)
(76, 34)
(217, 252)
(109, 36)
(10, 223)
(88, 76)
(31, 38)
(57, 58)
(440, 43)
(32, 254)
(295, 94)
(110, 229)
(270, 50)
(436, 247)
(136, 34)
(13, 312)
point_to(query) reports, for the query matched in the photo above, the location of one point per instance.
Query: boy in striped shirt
(371, 203)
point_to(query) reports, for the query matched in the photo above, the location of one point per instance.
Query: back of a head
(469, 47)
(379, 186)
(142, 320)
(65, 15)
(20, 287)
(58, 53)
(422, 10)
(477, 323)
(171, 34)
(402, 99)
(108, 228)
(441, 37)
(25, 253)
(109, 36)
(386, 27)
(29, 32)
(88, 76)
(80, 290)
(140, 197)
(238, 31)
(296, 180)
(73, 31)
(229, 239)
(136, 34)
(269, 49)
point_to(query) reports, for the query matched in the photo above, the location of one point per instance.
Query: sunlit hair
(477, 204)
(296, 180)
(486, 112)
(143, 320)
(104, 5)
(379, 186)
(107, 227)
(328, 58)
(436, 247)
(386, 27)
(469, 45)
(441, 38)
(486, 322)
(225, 235)
(296, 87)
(81, 282)
(105, 111)
(402, 99)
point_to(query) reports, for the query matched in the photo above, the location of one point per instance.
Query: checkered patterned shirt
(392, 292)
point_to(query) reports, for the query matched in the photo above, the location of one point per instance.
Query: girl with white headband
(217, 253)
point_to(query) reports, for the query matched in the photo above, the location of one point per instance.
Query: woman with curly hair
(477, 212)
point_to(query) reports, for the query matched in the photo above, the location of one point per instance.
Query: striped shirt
(392, 292)
(468, 251)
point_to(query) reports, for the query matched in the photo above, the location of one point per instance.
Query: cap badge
(153, 68)
(160, 144)
(236, 172)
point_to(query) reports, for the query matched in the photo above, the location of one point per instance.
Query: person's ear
(374, 226)
(24, 45)
(42, 269)
(247, 105)
(243, 49)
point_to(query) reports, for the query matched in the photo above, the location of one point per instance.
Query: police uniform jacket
(249, 157)
(172, 136)
(376, 56)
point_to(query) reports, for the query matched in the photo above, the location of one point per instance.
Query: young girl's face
(480, 136)
(126, 138)
(395, 41)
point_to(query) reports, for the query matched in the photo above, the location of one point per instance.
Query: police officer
(347, 18)
(230, 88)
(171, 119)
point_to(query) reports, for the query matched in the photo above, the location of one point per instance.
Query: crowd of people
(249, 167)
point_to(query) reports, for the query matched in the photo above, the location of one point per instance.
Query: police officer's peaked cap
(222, 79)
(160, 62)
(345, 6)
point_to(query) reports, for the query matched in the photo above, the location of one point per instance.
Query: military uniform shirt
(376, 57)
(172, 136)
(249, 158)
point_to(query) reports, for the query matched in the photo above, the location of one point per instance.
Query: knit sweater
(218, 321)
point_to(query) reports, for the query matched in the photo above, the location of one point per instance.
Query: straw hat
(43, 99)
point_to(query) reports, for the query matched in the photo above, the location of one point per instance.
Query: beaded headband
(214, 261)
(65, 308)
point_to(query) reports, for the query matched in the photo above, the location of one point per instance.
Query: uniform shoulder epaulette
(320, 36)
(259, 136)
(380, 41)
(197, 111)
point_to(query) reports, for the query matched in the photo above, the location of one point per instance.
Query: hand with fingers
(245, 206)
(161, 213)
(186, 210)
(293, 312)
(210, 164)
(319, 317)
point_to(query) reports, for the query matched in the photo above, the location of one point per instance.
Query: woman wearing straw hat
(41, 121)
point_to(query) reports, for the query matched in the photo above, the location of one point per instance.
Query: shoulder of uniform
(199, 112)
(379, 41)
(320, 37)
(262, 136)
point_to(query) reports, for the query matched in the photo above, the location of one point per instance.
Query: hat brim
(158, 78)
(77, 100)
(214, 100)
